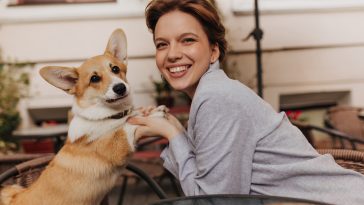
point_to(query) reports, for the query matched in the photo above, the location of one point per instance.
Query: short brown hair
(204, 11)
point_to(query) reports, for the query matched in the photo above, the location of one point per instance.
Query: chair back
(26, 172)
(346, 119)
(345, 141)
(349, 159)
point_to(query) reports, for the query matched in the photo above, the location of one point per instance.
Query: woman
(235, 142)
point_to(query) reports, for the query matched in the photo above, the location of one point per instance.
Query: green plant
(162, 88)
(164, 92)
(14, 81)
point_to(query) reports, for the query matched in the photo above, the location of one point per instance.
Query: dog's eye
(95, 79)
(115, 69)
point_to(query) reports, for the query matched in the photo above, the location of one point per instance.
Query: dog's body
(99, 138)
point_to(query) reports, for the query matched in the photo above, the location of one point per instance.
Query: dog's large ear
(117, 46)
(64, 78)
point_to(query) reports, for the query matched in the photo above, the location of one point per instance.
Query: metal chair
(149, 161)
(27, 172)
(345, 141)
(349, 159)
(346, 119)
(10, 160)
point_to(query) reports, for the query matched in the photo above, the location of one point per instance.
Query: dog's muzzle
(120, 91)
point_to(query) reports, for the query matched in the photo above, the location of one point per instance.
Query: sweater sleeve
(177, 154)
(203, 160)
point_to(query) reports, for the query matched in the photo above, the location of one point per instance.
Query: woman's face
(183, 51)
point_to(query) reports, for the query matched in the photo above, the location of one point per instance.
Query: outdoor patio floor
(139, 193)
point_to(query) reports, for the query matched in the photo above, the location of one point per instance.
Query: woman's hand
(174, 121)
(145, 111)
(167, 127)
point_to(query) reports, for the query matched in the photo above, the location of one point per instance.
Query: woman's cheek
(160, 59)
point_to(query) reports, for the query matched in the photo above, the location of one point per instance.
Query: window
(245, 7)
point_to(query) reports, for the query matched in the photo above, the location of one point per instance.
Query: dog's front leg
(131, 134)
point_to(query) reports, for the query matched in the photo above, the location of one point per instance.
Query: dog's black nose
(119, 89)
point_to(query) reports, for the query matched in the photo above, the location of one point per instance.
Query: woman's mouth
(178, 71)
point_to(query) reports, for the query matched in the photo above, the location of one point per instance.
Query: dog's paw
(159, 111)
(161, 108)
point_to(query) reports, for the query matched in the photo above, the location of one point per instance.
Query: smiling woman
(235, 142)
(183, 50)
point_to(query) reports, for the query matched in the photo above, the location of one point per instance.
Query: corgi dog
(99, 140)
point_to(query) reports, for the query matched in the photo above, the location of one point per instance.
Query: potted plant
(164, 93)
(13, 85)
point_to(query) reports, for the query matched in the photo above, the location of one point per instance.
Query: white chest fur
(94, 129)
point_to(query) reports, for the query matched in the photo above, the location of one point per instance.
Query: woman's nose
(174, 53)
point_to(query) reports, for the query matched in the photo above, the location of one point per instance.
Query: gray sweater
(237, 144)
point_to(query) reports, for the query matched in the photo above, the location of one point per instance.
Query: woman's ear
(215, 54)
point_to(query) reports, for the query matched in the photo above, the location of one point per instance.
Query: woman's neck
(191, 91)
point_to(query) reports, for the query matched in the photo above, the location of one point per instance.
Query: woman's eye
(188, 40)
(115, 69)
(160, 45)
(95, 79)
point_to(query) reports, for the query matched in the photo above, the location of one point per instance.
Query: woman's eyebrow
(159, 39)
(187, 34)
(180, 36)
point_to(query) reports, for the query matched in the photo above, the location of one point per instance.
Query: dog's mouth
(116, 99)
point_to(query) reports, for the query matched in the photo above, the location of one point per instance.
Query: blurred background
(312, 69)
(312, 51)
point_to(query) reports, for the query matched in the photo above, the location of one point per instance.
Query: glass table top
(235, 200)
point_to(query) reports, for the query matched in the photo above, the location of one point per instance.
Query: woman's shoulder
(222, 88)
(229, 96)
(224, 96)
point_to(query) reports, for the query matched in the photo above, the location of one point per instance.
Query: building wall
(308, 50)
(68, 41)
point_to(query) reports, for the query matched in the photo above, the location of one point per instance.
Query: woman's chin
(178, 87)
(180, 84)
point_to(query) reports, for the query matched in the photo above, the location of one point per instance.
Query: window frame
(246, 7)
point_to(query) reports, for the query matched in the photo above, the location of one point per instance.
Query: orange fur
(81, 173)
(84, 170)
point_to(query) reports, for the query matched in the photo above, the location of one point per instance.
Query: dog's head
(99, 84)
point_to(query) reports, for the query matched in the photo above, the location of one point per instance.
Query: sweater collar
(213, 67)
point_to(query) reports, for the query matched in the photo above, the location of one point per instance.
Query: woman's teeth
(177, 69)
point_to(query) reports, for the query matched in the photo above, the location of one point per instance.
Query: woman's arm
(168, 127)
(215, 156)
(211, 157)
